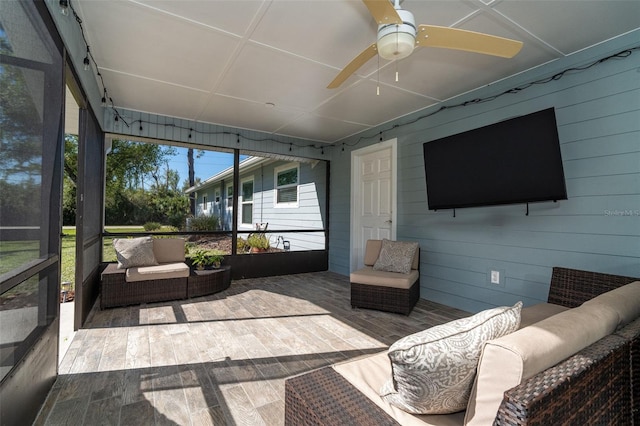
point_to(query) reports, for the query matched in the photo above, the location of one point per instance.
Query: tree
(129, 199)
(192, 180)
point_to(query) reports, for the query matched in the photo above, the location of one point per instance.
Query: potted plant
(203, 258)
(258, 242)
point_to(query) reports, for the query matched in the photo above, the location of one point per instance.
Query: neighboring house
(282, 193)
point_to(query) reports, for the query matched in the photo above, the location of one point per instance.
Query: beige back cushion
(168, 250)
(624, 300)
(508, 360)
(372, 251)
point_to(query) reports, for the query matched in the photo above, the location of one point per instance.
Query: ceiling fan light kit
(396, 41)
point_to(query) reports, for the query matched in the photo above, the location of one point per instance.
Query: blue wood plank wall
(597, 228)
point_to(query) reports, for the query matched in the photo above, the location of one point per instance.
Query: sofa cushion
(433, 370)
(169, 250)
(624, 300)
(159, 272)
(396, 256)
(132, 252)
(370, 372)
(369, 276)
(508, 360)
(533, 314)
(372, 251)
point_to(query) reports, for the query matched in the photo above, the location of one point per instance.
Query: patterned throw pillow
(134, 252)
(433, 370)
(396, 256)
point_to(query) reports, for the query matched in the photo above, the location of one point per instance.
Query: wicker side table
(208, 281)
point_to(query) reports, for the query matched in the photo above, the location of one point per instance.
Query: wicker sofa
(595, 384)
(382, 290)
(158, 283)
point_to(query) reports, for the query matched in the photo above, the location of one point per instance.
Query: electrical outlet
(495, 277)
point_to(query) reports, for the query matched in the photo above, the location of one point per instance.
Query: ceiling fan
(398, 36)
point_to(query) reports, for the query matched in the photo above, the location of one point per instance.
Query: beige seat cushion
(508, 360)
(168, 250)
(370, 276)
(369, 373)
(159, 272)
(624, 300)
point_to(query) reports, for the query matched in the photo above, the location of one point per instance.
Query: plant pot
(257, 250)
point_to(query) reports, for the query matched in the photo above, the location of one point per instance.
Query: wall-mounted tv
(509, 162)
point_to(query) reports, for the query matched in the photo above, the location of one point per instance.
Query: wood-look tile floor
(220, 359)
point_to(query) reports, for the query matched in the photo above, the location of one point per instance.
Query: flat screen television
(509, 162)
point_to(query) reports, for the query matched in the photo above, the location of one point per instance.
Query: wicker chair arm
(587, 388)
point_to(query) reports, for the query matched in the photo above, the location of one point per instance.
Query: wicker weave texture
(632, 332)
(591, 387)
(388, 299)
(573, 287)
(115, 291)
(324, 397)
(202, 283)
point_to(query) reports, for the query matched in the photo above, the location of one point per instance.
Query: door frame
(356, 163)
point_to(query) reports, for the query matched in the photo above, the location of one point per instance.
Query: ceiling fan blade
(471, 41)
(353, 66)
(383, 11)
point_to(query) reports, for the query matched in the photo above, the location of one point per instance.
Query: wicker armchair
(385, 291)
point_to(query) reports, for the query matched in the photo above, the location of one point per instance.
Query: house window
(204, 203)
(229, 196)
(287, 185)
(247, 202)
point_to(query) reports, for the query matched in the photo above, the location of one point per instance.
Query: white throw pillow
(433, 370)
(132, 252)
(396, 256)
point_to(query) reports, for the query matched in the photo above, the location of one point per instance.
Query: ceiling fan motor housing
(397, 41)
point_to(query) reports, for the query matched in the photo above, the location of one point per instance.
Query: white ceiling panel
(136, 40)
(246, 114)
(232, 16)
(268, 75)
(361, 104)
(571, 25)
(151, 96)
(309, 126)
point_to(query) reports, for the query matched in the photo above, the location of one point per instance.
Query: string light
(86, 62)
(64, 7)
(104, 97)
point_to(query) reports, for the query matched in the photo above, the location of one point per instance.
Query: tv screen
(513, 161)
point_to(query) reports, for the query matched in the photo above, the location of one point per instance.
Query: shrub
(205, 223)
(151, 226)
(258, 240)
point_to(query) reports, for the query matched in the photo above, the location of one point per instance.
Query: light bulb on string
(64, 7)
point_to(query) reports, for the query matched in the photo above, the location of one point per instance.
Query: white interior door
(373, 197)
